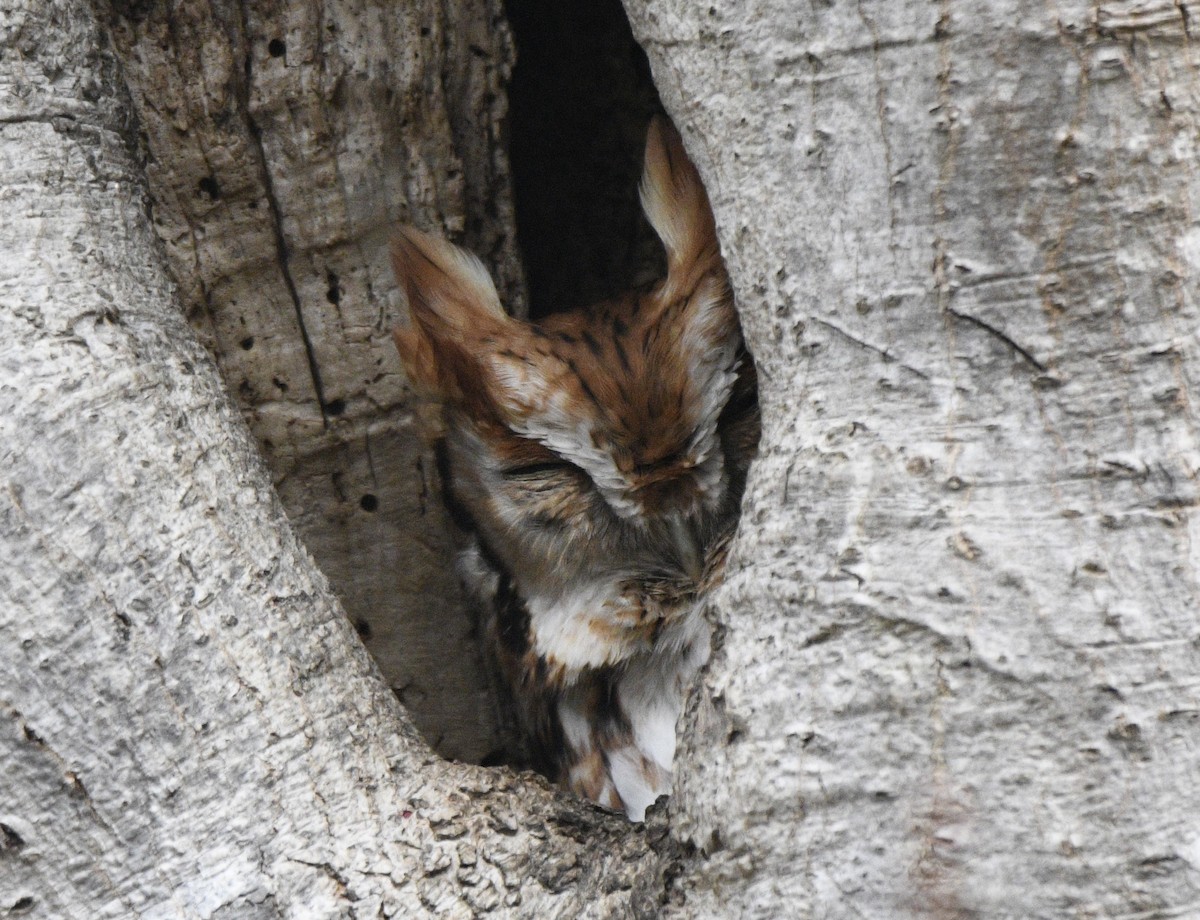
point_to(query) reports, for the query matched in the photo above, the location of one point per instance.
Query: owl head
(591, 437)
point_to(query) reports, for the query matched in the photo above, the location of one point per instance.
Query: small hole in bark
(335, 406)
(22, 904)
(209, 188)
(247, 343)
(277, 47)
(362, 627)
(334, 293)
(10, 839)
(369, 503)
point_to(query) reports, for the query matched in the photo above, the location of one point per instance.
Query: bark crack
(331, 872)
(282, 252)
(989, 328)
(887, 356)
(38, 118)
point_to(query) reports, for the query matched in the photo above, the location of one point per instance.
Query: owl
(597, 458)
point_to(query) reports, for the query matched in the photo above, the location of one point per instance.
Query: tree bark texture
(285, 140)
(956, 668)
(955, 659)
(189, 727)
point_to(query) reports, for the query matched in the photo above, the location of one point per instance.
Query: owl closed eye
(598, 458)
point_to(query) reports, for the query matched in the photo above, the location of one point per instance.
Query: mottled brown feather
(580, 451)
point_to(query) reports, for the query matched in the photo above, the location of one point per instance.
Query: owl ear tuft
(453, 308)
(695, 301)
(416, 354)
(677, 207)
(442, 281)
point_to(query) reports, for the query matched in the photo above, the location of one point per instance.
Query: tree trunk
(189, 726)
(954, 656)
(956, 666)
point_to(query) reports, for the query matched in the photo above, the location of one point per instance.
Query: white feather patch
(638, 786)
(561, 626)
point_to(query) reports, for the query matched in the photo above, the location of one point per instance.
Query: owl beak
(687, 546)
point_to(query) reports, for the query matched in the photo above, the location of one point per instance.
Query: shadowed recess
(579, 102)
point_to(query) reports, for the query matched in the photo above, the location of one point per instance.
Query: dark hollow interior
(580, 99)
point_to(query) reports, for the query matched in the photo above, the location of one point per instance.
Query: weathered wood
(285, 138)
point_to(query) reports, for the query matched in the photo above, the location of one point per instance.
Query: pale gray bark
(956, 674)
(189, 727)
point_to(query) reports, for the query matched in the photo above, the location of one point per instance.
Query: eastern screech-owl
(598, 457)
